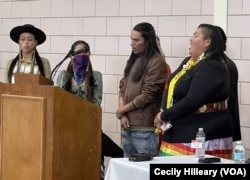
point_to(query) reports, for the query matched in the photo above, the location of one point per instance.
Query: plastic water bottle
(239, 153)
(200, 151)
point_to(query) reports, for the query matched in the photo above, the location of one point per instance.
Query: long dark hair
(224, 37)
(147, 31)
(89, 79)
(217, 46)
(16, 59)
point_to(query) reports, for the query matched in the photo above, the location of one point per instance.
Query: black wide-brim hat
(18, 30)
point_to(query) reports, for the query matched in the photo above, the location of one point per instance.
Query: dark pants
(110, 148)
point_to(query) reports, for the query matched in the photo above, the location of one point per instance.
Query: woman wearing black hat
(28, 60)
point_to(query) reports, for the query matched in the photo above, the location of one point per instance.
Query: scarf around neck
(191, 63)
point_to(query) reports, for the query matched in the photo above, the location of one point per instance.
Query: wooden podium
(47, 133)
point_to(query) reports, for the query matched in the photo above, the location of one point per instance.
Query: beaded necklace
(25, 66)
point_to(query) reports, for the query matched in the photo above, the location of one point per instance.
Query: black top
(207, 82)
(233, 103)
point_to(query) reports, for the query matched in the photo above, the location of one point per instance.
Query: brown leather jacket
(147, 93)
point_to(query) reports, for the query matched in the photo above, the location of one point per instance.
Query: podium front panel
(22, 137)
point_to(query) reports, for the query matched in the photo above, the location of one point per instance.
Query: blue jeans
(139, 142)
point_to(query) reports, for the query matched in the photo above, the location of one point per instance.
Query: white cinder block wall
(106, 26)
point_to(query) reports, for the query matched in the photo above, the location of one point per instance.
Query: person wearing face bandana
(80, 79)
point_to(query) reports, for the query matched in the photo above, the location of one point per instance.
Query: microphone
(73, 53)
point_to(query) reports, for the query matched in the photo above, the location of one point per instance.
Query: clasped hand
(119, 113)
(158, 121)
(123, 118)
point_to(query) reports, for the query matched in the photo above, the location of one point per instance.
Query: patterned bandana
(80, 64)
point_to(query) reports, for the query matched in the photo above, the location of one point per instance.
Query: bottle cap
(238, 142)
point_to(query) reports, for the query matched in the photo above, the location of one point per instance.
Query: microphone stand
(53, 72)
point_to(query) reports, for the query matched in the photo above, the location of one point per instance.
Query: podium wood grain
(48, 134)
